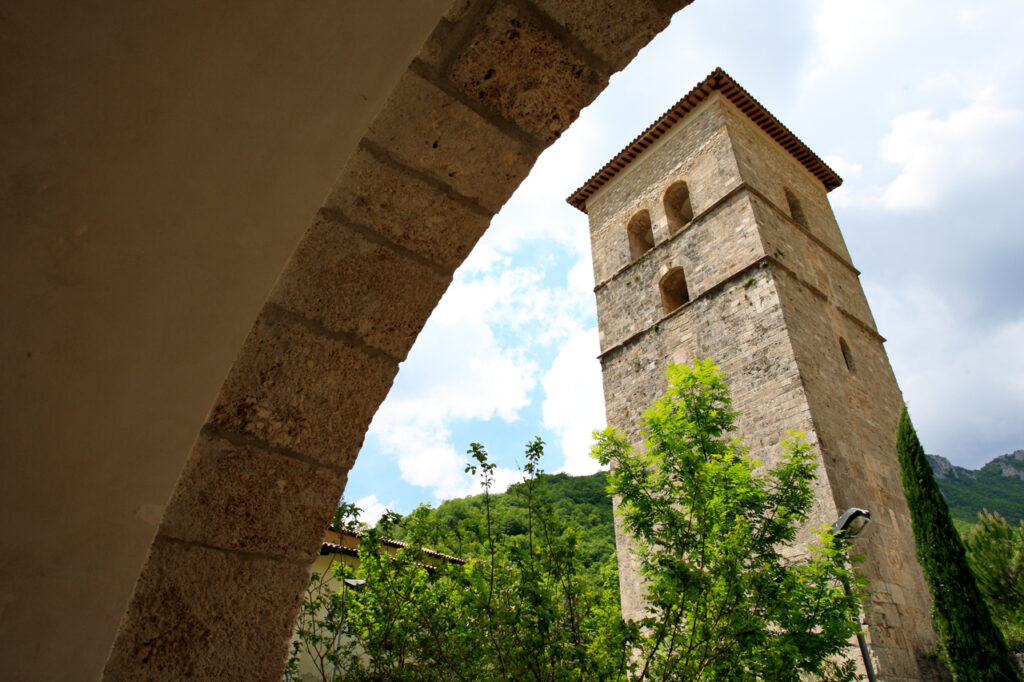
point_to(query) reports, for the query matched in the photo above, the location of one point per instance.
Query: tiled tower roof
(722, 82)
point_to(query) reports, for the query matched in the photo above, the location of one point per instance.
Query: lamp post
(347, 583)
(847, 527)
(354, 584)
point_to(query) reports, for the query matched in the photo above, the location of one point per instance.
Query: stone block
(241, 497)
(614, 31)
(295, 388)
(457, 10)
(204, 614)
(351, 283)
(698, 153)
(524, 72)
(423, 127)
(408, 210)
(437, 45)
(772, 170)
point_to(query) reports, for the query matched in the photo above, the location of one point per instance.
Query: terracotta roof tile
(335, 548)
(722, 82)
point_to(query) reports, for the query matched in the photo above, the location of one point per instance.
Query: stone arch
(673, 289)
(678, 208)
(640, 233)
(494, 85)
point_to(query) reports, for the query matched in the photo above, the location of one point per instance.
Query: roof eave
(718, 80)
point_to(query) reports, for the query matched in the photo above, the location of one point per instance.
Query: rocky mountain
(998, 486)
(1011, 465)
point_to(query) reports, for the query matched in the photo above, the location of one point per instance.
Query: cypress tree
(970, 643)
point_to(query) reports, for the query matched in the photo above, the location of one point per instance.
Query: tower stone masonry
(713, 236)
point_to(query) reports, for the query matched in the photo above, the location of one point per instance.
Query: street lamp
(353, 583)
(845, 529)
(346, 583)
(851, 523)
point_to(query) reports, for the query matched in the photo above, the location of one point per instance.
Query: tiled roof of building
(722, 82)
(336, 548)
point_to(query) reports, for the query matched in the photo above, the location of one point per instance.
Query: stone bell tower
(713, 237)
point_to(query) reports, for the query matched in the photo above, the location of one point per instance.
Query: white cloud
(581, 280)
(371, 509)
(940, 157)
(426, 458)
(458, 370)
(919, 74)
(574, 401)
(852, 192)
(846, 169)
(847, 33)
(502, 478)
(480, 358)
(964, 386)
(473, 361)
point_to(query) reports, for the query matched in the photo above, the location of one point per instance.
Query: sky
(919, 106)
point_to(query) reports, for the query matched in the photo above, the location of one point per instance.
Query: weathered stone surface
(348, 282)
(457, 10)
(298, 389)
(778, 306)
(643, 183)
(525, 73)
(241, 497)
(819, 267)
(718, 325)
(423, 127)
(756, 359)
(438, 47)
(204, 614)
(313, 369)
(772, 170)
(712, 249)
(855, 415)
(406, 209)
(614, 31)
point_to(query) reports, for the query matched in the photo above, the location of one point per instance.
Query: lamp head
(851, 523)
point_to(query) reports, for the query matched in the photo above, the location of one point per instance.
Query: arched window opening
(677, 207)
(673, 290)
(796, 210)
(641, 235)
(847, 357)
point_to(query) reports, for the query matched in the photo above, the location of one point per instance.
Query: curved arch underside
(494, 85)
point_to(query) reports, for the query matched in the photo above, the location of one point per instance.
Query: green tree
(578, 502)
(970, 643)
(995, 553)
(521, 607)
(533, 603)
(535, 606)
(723, 602)
(320, 633)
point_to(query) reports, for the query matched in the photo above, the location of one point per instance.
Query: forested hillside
(585, 506)
(998, 486)
(582, 502)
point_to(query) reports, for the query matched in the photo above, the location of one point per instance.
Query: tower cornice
(717, 81)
